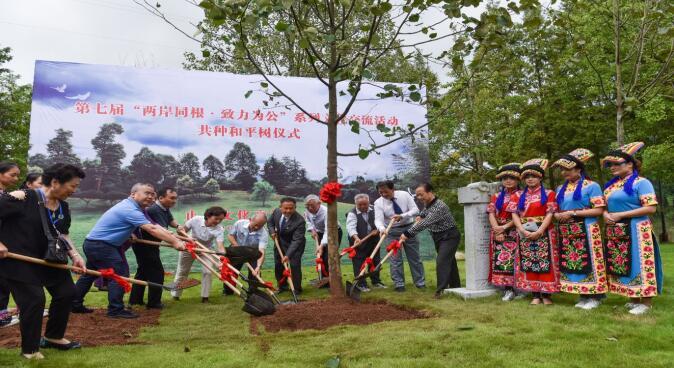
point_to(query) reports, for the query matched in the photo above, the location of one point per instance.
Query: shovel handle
(285, 265)
(217, 274)
(376, 248)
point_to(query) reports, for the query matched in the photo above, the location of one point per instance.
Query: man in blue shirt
(102, 246)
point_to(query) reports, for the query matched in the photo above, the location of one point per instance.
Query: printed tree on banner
(342, 41)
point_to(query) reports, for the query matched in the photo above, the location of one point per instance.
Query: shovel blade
(352, 291)
(181, 285)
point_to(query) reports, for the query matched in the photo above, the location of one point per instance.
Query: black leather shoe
(125, 314)
(399, 289)
(155, 306)
(81, 309)
(44, 343)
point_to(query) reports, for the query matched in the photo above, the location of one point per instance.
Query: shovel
(170, 287)
(352, 290)
(322, 281)
(238, 255)
(285, 267)
(346, 250)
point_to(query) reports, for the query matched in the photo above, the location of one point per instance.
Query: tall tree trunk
(664, 236)
(619, 100)
(336, 289)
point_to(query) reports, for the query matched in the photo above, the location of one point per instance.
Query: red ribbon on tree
(350, 250)
(226, 273)
(330, 192)
(190, 247)
(369, 262)
(286, 274)
(319, 262)
(109, 273)
(394, 246)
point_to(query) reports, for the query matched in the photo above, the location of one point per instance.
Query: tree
(38, 160)
(15, 102)
(241, 166)
(211, 187)
(146, 167)
(171, 169)
(275, 173)
(60, 149)
(213, 167)
(262, 190)
(185, 184)
(189, 165)
(110, 155)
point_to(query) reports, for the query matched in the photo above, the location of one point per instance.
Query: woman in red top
(537, 269)
(503, 238)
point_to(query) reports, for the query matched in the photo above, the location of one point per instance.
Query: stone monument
(474, 199)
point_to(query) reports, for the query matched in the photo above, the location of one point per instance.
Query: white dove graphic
(60, 89)
(79, 97)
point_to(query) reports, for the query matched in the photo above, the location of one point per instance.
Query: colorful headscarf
(576, 158)
(621, 155)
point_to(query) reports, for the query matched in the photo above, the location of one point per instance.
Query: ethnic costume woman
(581, 251)
(503, 238)
(537, 267)
(632, 253)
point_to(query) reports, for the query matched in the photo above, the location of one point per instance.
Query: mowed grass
(474, 333)
(85, 217)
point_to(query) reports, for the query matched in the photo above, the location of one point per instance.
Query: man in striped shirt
(446, 236)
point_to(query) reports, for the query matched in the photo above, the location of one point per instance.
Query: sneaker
(591, 304)
(399, 289)
(581, 303)
(631, 305)
(379, 285)
(508, 296)
(124, 314)
(34, 356)
(640, 309)
(364, 289)
(81, 309)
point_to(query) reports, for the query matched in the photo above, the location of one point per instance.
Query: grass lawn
(474, 333)
(84, 219)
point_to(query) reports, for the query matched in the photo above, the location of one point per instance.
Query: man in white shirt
(399, 206)
(251, 233)
(206, 230)
(316, 216)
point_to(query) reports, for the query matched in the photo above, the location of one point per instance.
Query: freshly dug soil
(324, 313)
(93, 329)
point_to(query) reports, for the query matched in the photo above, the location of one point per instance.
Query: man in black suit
(289, 227)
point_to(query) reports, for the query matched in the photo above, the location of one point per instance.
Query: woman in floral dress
(632, 254)
(503, 237)
(581, 251)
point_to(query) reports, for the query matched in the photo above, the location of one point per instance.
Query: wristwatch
(574, 213)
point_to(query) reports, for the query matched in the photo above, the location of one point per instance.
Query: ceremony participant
(360, 224)
(206, 229)
(33, 181)
(581, 251)
(9, 176)
(102, 246)
(538, 268)
(503, 238)
(288, 227)
(148, 259)
(398, 206)
(633, 254)
(437, 219)
(316, 216)
(251, 233)
(22, 232)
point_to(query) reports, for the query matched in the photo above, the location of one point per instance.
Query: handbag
(57, 247)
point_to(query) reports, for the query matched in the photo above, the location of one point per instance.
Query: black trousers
(447, 272)
(4, 294)
(324, 255)
(150, 269)
(31, 300)
(359, 259)
(295, 270)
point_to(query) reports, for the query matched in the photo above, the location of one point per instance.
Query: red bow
(286, 274)
(226, 273)
(394, 246)
(350, 250)
(320, 267)
(190, 247)
(330, 192)
(269, 285)
(368, 262)
(109, 273)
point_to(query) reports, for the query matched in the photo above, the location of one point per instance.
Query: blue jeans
(102, 255)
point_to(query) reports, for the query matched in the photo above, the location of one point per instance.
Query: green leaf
(415, 96)
(205, 53)
(363, 153)
(248, 94)
(367, 74)
(264, 84)
(414, 18)
(383, 128)
(433, 35)
(355, 126)
(329, 38)
(281, 26)
(389, 87)
(304, 43)
(206, 4)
